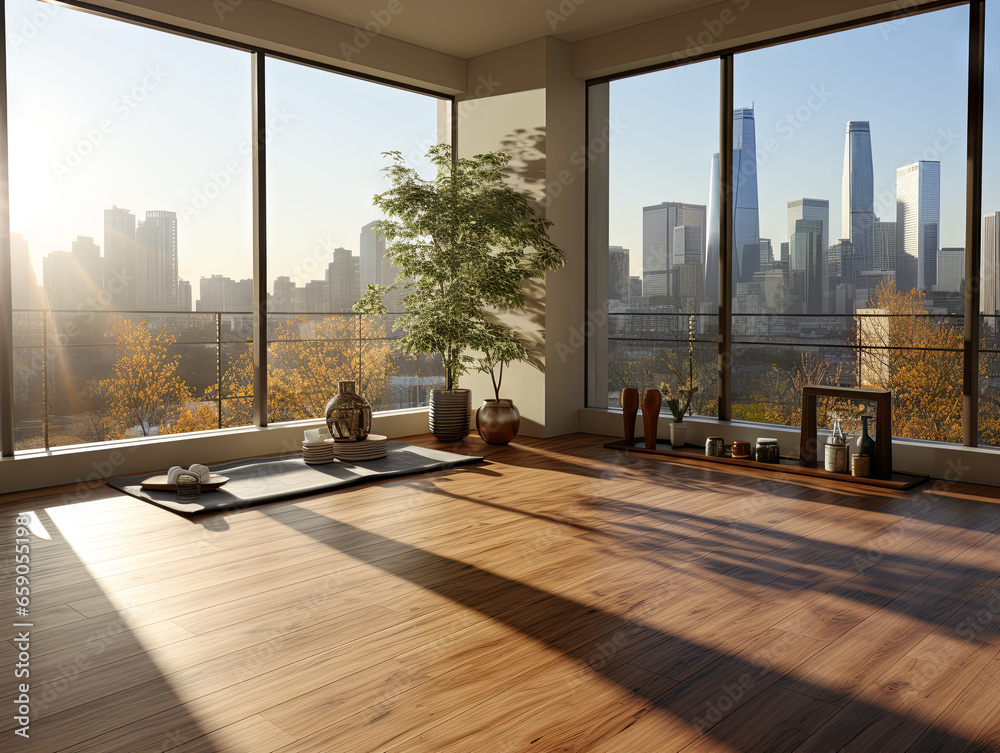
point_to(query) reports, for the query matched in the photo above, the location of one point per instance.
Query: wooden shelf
(898, 480)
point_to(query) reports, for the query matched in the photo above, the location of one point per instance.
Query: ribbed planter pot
(450, 413)
(498, 421)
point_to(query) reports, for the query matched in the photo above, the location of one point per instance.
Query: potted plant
(463, 241)
(679, 400)
(498, 419)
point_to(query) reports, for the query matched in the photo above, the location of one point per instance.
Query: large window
(989, 291)
(860, 189)
(129, 189)
(848, 206)
(324, 166)
(654, 262)
(131, 164)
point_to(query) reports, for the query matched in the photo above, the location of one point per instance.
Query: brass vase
(498, 421)
(348, 414)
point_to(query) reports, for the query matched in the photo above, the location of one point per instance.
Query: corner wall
(526, 101)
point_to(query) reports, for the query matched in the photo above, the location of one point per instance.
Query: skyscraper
(807, 209)
(88, 257)
(376, 268)
(989, 297)
(884, 258)
(618, 274)
(918, 218)
(658, 223)
(746, 221)
(156, 254)
(858, 207)
(60, 273)
(807, 245)
(24, 284)
(343, 280)
(119, 258)
(951, 270)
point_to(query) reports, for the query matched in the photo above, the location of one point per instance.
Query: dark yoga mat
(258, 480)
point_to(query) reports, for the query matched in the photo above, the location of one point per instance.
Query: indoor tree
(464, 242)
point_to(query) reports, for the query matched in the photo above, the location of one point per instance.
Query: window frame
(973, 202)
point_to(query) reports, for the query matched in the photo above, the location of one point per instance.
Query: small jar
(741, 450)
(860, 466)
(767, 450)
(715, 447)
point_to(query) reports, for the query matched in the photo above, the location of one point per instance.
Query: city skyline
(899, 76)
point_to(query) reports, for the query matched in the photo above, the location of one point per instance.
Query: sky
(104, 113)
(906, 77)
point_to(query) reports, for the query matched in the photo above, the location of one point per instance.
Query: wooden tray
(160, 483)
(898, 480)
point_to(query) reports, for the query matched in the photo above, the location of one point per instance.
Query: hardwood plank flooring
(559, 597)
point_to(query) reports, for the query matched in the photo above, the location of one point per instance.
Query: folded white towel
(201, 471)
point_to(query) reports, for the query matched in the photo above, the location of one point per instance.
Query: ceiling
(467, 28)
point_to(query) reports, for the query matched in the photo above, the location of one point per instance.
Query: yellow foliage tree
(144, 390)
(307, 357)
(919, 358)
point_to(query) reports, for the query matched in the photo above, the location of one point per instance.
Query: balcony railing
(87, 376)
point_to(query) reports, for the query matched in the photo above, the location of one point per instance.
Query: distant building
(88, 258)
(634, 288)
(376, 268)
(618, 274)
(884, 255)
(858, 197)
(156, 253)
(950, 270)
(918, 219)
(121, 277)
(807, 209)
(24, 284)
(658, 223)
(989, 296)
(219, 293)
(808, 262)
(183, 295)
(343, 279)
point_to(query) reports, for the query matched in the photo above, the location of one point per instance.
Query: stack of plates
(353, 452)
(317, 453)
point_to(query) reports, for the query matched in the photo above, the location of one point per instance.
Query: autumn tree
(919, 358)
(144, 390)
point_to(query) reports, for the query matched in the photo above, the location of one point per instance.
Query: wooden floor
(559, 597)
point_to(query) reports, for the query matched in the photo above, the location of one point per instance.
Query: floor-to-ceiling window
(860, 188)
(325, 163)
(655, 261)
(989, 290)
(848, 206)
(132, 231)
(131, 220)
